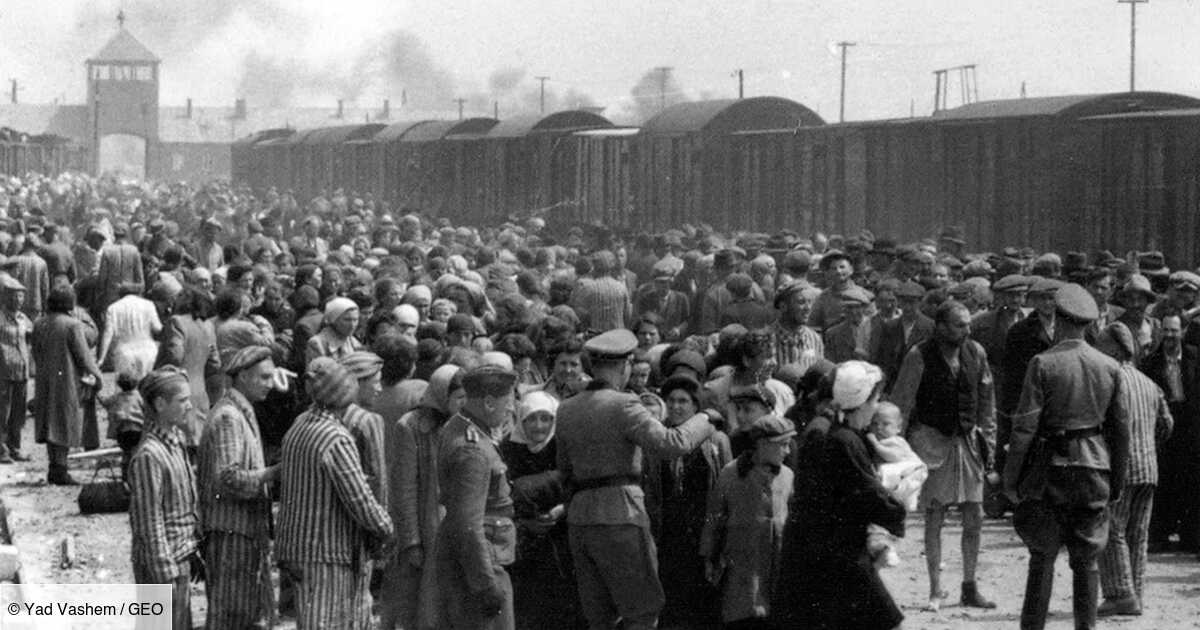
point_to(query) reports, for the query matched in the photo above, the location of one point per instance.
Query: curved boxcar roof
(1071, 106)
(395, 131)
(341, 133)
(439, 129)
(726, 116)
(265, 134)
(569, 120)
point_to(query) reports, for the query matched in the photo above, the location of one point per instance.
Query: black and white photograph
(533, 315)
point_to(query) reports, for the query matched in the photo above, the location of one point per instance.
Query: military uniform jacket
(1070, 414)
(601, 434)
(474, 486)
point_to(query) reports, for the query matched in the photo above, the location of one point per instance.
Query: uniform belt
(579, 485)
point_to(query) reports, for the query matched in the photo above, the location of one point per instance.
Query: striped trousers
(1124, 560)
(333, 596)
(239, 596)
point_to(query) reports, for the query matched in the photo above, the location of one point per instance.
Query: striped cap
(329, 384)
(362, 364)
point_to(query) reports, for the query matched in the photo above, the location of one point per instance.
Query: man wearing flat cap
(477, 537)
(1067, 459)
(601, 434)
(894, 338)
(827, 308)
(851, 337)
(990, 328)
(1025, 339)
(235, 497)
(1137, 297)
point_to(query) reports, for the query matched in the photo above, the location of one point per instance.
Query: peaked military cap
(613, 344)
(489, 380)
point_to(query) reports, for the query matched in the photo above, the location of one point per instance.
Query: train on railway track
(1103, 171)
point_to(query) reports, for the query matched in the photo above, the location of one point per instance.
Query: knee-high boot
(1086, 591)
(1038, 587)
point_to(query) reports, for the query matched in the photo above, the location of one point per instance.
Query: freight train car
(511, 168)
(685, 172)
(595, 171)
(424, 165)
(1038, 172)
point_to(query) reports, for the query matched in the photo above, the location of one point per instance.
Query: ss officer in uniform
(1067, 459)
(601, 434)
(477, 539)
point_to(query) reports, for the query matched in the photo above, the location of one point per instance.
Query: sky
(312, 52)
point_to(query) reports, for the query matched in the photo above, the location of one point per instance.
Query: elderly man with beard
(235, 497)
(945, 390)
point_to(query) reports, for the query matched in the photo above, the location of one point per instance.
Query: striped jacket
(366, 427)
(1150, 424)
(233, 496)
(15, 329)
(162, 506)
(326, 510)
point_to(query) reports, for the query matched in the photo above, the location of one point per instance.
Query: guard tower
(122, 101)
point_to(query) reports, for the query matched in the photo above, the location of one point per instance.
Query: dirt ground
(41, 516)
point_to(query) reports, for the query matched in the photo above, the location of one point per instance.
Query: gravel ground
(41, 516)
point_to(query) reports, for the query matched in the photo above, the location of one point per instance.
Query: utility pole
(496, 110)
(741, 77)
(842, 107)
(1132, 39)
(543, 95)
(663, 73)
(460, 102)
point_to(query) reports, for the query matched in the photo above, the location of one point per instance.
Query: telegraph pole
(741, 83)
(1132, 39)
(543, 92)
(842, 108)
(663, 73)
(460, 102)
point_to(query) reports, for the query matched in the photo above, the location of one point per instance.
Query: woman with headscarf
(676, 497)
(411, 447)
(544, 592)
(827, 578)
(336, 338)
(64, 362)
(162, 501)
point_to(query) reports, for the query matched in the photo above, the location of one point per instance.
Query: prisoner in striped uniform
(1150, 423)
(328, 519)
(366, 426)
(235, 500)
(162, 506)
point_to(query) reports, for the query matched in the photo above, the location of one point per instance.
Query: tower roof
(124, 47)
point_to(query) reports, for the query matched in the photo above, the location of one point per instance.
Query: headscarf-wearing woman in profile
(67, 373)
(676, 499)
(827, 578)
(412, 455)
(544, 591)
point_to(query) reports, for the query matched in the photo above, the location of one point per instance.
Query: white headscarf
(531, 403)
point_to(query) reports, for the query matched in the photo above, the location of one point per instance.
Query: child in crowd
(900, 470)
(125, 418)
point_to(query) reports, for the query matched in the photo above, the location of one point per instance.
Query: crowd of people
(533, 426)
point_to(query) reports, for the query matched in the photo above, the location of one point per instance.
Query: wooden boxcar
(510, 170)
(595, 173)
(422, 165)
(683, 170)
(1062, 172)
